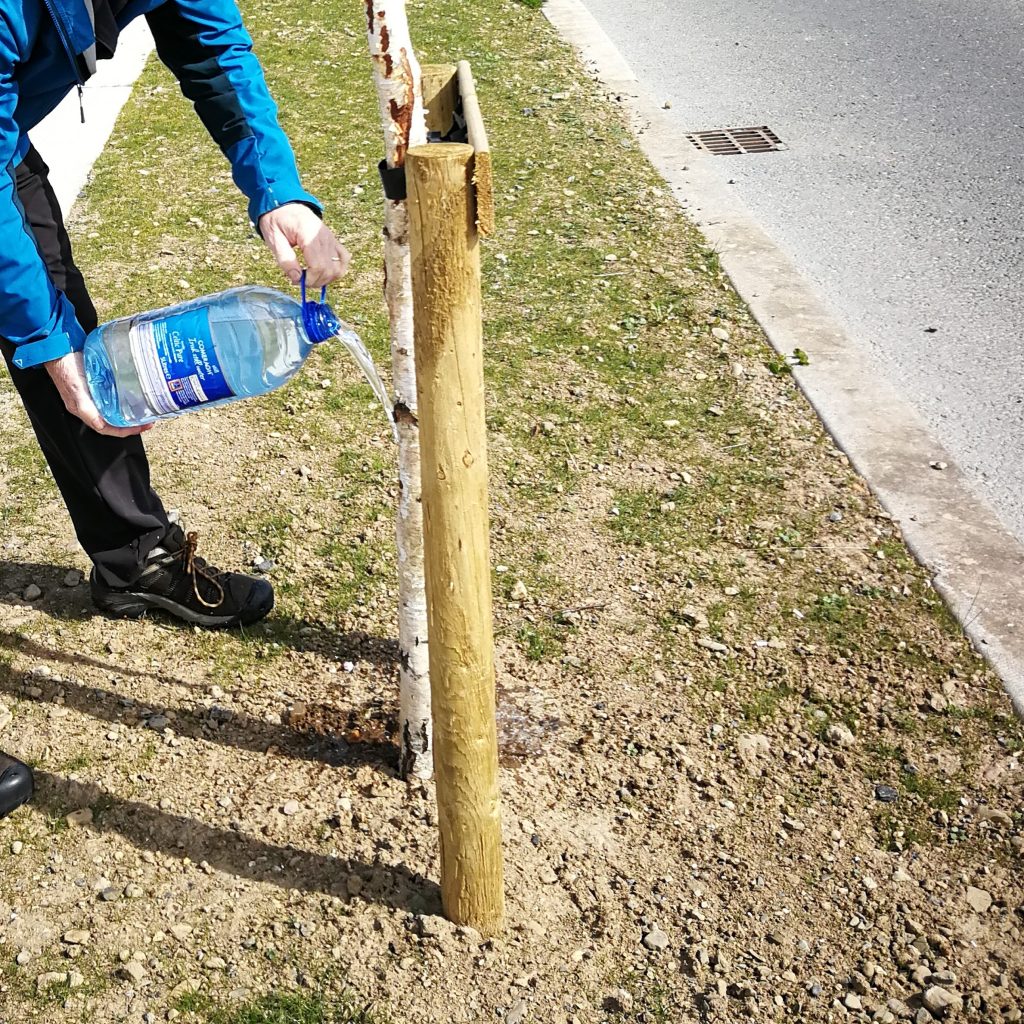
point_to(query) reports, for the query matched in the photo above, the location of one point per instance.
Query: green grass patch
(280, 1008)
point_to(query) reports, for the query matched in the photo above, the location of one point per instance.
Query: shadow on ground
(315, 734)
(236, 853)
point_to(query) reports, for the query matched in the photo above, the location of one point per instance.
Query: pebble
(619, 1000)
(835, 517)
(32, 593)
(110, 894)
(158, 723)
(292, 807)
(77, 937)
(5, 716)
(940, 1001)
(839, 736)
(133, 971)
(23, 958)
(852, 1001)
(720, 333)
(886, 794)
(547, 876)
(712, 645)
(72, 578)
(979, 899)
(49, 979)
(517, 1013)
(519, 591)
(263, 565)
(656, 939)
(17, 846)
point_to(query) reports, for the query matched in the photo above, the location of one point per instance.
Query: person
(141, 560)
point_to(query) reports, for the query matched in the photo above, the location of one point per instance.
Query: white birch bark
(396, 74)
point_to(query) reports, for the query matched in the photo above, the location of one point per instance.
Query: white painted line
(976, 564)
(69, 147)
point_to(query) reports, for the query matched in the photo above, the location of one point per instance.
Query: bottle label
(177, 363)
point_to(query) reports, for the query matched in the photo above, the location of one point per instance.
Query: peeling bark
(396, 76)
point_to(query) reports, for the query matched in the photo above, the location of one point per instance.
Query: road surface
(901, 193)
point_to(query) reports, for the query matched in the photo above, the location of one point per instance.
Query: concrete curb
(976, 563)
(70, 147)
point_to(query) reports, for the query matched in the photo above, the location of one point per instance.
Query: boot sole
(135, 606)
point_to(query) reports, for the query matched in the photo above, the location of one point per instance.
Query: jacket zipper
(58, 24)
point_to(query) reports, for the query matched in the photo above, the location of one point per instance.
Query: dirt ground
(751, 768)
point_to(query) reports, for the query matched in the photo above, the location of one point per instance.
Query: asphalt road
(901, 193)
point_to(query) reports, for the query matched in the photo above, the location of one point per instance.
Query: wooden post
(440, 96)
(450, 386)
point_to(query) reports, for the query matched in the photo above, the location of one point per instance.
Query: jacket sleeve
(207, 48)
(34, 317)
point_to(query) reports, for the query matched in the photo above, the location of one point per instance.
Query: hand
(68, 374)
(295, 226)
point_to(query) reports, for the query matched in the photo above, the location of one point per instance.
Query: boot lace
(197, 568)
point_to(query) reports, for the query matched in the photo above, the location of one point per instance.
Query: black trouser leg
(104, 480)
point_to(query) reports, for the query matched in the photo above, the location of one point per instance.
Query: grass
(279, 1008)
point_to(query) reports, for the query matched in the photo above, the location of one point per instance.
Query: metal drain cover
(737, 141)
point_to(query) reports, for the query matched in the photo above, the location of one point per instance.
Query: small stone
(835, 517)
(839, 736)
(979, 899)
(720, 333)
(886, 794)
(23, 958)
(17, 846)
(940, 1001)
(31, 593)
(712, 645)
(46, 981)
(180, 931)
(519, 591)
(5, 716)
(998, 818)
(77, 937)
(158, 723)
(899, 875)
(852, 1001)
(517, 1014)
(656, 939)
(263, 565)
(72, 578)
(619, 1000)
(291, 807)
(110, 894)
(215, 963)
(133, 971)
(75, 980)
(547, 876)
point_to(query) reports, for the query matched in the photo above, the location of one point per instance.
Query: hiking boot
(177, 581)
(16, 784)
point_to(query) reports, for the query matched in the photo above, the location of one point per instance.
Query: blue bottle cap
(318, 318)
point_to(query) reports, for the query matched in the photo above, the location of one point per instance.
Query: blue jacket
(43, 55)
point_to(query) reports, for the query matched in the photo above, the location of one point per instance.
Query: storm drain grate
(737, 141)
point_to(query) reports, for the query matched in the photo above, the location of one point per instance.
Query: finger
(331, 266)
(284, 255)
(91, 417)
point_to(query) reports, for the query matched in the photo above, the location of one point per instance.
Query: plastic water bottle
(210, 351)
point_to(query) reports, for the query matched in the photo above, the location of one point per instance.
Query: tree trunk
(396, 75)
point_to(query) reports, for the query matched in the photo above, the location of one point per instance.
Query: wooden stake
(449, 376)
(483, 176)
(440, 96)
